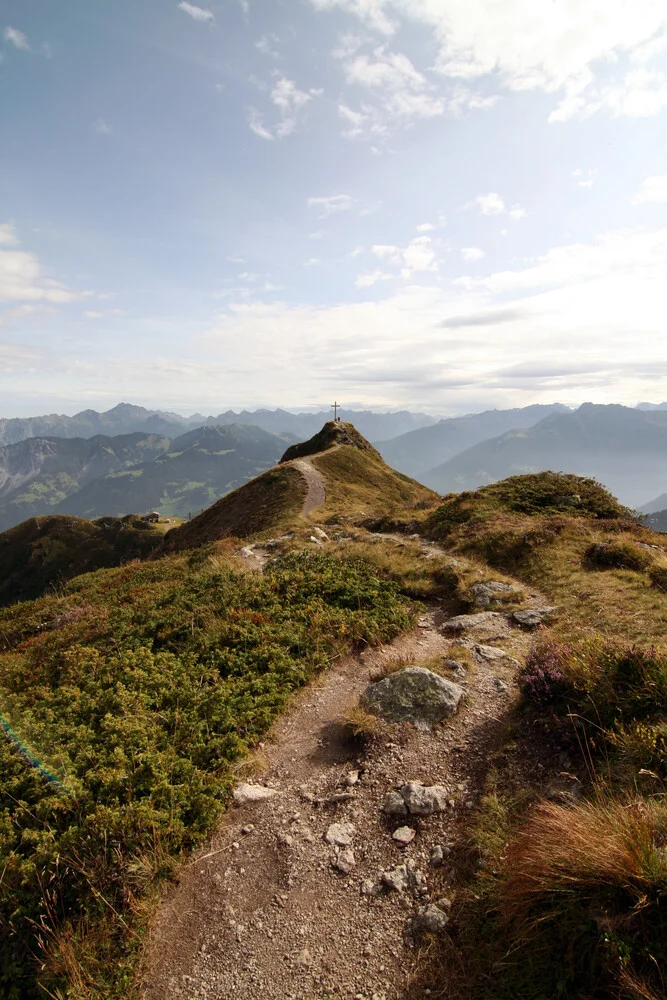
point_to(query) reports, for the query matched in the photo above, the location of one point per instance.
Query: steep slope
(39, 474)
(622, 447)
(420, 450)
(267, 504)
(333, 434)
(44, 552)
(198, 468)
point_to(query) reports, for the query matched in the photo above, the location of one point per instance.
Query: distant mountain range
(198, 468)
(128, 419)
(624, 448)
(131, 473)
(420, 450)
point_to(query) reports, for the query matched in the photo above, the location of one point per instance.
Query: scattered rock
(304, 959)
(285, 839)
(340, 834)
(351, 779)
(532, 617)
(394, 804)
(248, 828)
(315, 539)
(404, 878)
(486, 619)
(345, 861)
(437, 856)
(429, 919)
(404, 835)
(501, 685)
(423, 800)
(245, 793)
(321, 534)
(489, 592)
(370, 888)
(413, 694)
(491, 652)
(247, 551)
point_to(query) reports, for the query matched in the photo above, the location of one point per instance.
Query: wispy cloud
(102, 127)
(332, 204)
(493, 204)
(653, 191)
(584, 178)
(197, 13)
(472, 253)
(290, 102)
(16, 38)
(21, 277)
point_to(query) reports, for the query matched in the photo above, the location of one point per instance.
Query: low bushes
(139, 688)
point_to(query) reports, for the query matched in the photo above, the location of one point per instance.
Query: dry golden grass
(360, 486)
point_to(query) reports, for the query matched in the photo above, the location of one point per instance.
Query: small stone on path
(245, 793)
(489, 619)
(345, 861)
(404, 835)
(491, 652)
(340, 834)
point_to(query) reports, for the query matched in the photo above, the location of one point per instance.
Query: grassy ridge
(139, 688)
(570, 901)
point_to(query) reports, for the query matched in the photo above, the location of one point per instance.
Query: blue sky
(444, 205)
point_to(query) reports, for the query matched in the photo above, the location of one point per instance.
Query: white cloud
(584, 178)
(16, 38)
(418, 256)
(265, 45)
(197, 13)
(653, 191)
(332, 204)
(472, 253)
(102, 127)
(290, 102)
(490, 204)
(256, 124)
(371, 278)
(21, 278)
(425, 227)
(493, 204)
(538, 45)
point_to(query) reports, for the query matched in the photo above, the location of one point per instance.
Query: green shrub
(140, 687)
(617, 555)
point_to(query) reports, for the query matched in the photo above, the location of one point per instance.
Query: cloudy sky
(444, 205)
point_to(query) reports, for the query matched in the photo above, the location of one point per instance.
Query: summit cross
(335, 409)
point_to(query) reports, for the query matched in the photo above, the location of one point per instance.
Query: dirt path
(263, 914)
(317, 491)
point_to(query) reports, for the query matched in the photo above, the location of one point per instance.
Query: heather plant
(141, 687)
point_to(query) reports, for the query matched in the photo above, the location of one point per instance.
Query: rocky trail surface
(317, 493)
(310, 888)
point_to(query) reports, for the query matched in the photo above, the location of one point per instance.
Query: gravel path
(264, 913)
(317, 492)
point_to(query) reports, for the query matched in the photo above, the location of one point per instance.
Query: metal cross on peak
(336, 407)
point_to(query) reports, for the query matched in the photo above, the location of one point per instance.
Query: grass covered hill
(267, 504)
(46, 552)
(193, 472)
(37, 475)
(568, 899)
(333, 433)
(623, 448)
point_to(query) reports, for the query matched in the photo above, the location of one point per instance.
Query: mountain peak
(334, 433)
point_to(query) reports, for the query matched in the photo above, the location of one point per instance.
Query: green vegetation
(45, 552)
(267, 504)
(138, 688)
(361, 487)
(570, 901)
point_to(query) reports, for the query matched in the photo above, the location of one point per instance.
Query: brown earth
(261, 913)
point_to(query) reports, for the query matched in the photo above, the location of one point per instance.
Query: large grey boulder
(484, 619)
(488, 593)
(413, 694)
(532, 617)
